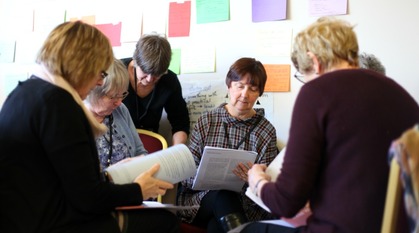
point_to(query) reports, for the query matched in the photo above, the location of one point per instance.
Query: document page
(216, 169)
(156, 205)
(176, 164)
(273, 170)
(256, 199)
(275, 166)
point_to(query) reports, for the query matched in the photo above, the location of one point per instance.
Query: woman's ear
(316, 63)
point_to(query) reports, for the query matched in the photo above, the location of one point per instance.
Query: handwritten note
(209, 11)
(268, 10)
(278, 78)
(202, 96)
(198, 58)
(273, 41)
(328, 7)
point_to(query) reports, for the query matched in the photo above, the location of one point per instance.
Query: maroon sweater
(336, 158)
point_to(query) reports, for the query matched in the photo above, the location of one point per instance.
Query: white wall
(385, 28)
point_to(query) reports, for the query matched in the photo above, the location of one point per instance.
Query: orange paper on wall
(278, 78)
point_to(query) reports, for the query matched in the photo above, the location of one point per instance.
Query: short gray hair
(371, 62)
(116, 81)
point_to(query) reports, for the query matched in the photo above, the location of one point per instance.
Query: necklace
(259, 118)
(108, 161)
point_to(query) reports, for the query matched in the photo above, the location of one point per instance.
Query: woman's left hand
(242, 169)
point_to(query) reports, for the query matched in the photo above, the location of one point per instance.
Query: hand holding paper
(260, 171)
(242, 169)
(150, 186)
(215, 170)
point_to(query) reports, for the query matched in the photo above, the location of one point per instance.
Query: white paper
(256, 199)
(275, 166)
(215, 171)
(273, 170)
(176, 164)
(275, 222)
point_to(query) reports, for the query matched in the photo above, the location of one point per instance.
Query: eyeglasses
(299, 76)
(103, 74)
(118, 97)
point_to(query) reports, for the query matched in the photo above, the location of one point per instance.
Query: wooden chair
(393, 199)
(154, 142)
(403, 181)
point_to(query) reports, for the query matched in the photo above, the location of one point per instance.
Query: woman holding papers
(233, 125)
(342, 126)
(121, 140)
(50, 178)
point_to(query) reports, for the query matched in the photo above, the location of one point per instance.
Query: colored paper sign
(278, 78)
(112, 31)
(328, 7)
(208, 11)
(179, 19)
(269, 10)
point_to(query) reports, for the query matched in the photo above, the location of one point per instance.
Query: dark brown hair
(251, 66)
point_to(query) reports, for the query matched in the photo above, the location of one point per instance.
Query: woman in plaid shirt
(234, 125)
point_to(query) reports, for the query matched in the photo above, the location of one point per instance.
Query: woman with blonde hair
(50, 176)
(343, 122)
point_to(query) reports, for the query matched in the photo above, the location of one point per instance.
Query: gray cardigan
(125, 140)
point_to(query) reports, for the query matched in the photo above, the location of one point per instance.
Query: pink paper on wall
(112, 31)
(179, 19)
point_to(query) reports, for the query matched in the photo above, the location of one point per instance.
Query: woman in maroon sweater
(343, 122)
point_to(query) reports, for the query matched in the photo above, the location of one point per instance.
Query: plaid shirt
(219, 129)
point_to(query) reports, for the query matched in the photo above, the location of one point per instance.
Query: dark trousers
(131, 221)
(217, 204)
(150, 220)
(259, 227)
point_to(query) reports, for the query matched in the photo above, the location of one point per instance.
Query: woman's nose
(245, 92)
(118, 102)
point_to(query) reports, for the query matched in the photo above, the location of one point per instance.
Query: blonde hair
(76, 51)
(331, 40)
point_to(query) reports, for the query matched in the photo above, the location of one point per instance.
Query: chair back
(404, 175)
(152, 141)
(392, 199)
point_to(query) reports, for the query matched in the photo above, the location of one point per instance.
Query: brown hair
(153, 54)
(251, 66)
